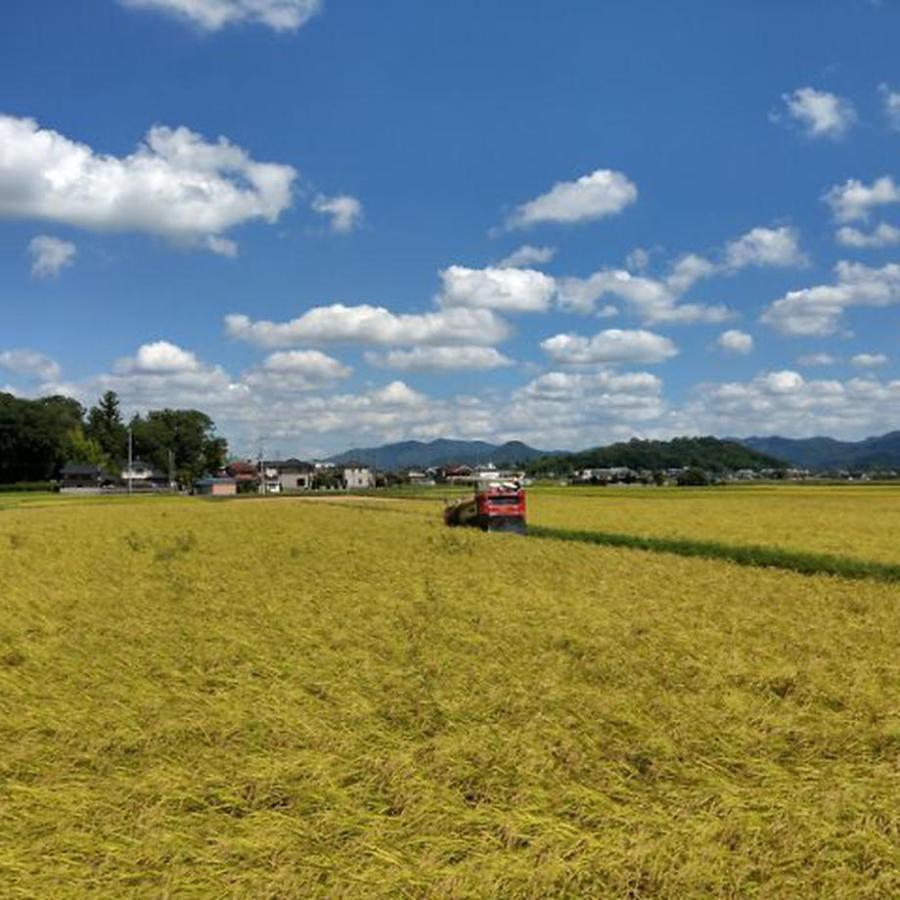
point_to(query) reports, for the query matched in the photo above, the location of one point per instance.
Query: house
(289, 475)
(355, 476)
(85, 475)
(143, 476)
(244, 473)
(215, 487)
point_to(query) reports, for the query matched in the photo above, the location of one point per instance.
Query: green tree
(34, 436)
(188, 434)
(105, 426)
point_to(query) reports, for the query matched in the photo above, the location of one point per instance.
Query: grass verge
(743, 555)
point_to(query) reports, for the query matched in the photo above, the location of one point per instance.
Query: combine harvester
(496, 506)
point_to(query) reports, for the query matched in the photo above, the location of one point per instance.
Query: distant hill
(822, 453)
(442, 452)
(707, 453)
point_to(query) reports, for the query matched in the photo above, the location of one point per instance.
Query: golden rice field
(296, 699)
(861, 521)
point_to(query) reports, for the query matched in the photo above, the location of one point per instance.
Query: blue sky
(708, 193)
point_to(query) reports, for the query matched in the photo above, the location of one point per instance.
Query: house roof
(81, 469)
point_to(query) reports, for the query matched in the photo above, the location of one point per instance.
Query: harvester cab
(495, 506)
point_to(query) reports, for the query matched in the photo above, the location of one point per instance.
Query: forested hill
(824, 453)
(708, 453)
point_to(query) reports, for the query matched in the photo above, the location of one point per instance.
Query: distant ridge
(440, 452)
(822, 453)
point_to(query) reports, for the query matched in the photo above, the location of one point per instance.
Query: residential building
(356, 476)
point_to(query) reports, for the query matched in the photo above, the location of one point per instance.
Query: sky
(335, 223)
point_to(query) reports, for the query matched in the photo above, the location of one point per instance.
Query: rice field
(283, 699)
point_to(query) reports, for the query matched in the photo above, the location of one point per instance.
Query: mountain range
(821, 453)
(817, 454)
(441, 452)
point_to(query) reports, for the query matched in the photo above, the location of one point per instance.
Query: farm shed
(215, 487)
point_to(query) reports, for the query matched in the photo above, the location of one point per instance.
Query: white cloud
(687, 271)
(222, 246)
(818, 310)
(346, 212)
(608, 347)
(507, 290)
(817, 359)
(50, 255)
(853, 201)
(891, 106)
(652, 300)
(211, 15)
(820, 113)
(159, 358)
(30, 364)
(602, 193)
(788, 404)
(440, 359)
(883, 235)
(373, 325)
(175, 185)
(868, 360)
(736, 341)
(638, 259)
(297, 370)
(527, 255)
(765, 247)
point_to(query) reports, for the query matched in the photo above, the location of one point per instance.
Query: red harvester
(496, 506)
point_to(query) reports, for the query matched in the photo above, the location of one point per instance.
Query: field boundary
(741, 554)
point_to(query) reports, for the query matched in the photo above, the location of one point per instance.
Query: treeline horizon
(39, 437)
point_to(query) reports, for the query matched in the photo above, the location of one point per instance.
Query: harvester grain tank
(495, 506)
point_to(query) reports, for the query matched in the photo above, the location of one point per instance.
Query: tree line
(705, 453)
(39, 437)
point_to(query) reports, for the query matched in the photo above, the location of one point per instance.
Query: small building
(85, 475)
(356, 476)
(245, 474)
(215, 487)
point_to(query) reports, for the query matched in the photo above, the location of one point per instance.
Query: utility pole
(130, 457)
(171, 468)
(262, 467)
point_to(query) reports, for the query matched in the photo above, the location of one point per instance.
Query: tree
(188, 434)
(105, 426)
(35, 436)
(692, 477)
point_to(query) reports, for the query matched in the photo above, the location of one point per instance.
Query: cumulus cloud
(735, 341)
(527, 255)
(604, 192)
(687, 271)
(372, 325)
(765, 247)
(159, 357)
(868, 360)
(817, 359)
(854, 201)
(891, 100)
(30, 364)
(883, 235)
(345, 212)
(440, 359)
(654, 301)
(50, 255)
(608, 347)
(818, 310)
(212, 15)
(297, 370)
(175, 185)
(507, 290)
(787, 403)
(819, 113)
